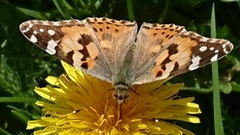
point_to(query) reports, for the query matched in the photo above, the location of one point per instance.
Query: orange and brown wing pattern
(175, 51)
(113, 50)
(73, 41)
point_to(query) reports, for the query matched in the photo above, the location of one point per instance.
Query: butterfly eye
(115, 95)
(126, 95)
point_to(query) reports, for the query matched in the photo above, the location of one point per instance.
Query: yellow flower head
(81, 104)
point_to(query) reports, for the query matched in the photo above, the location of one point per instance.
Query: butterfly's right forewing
(165, 50)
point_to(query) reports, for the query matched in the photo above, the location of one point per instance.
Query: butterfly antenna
(134, 91)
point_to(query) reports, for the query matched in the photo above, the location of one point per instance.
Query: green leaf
(32, 13)
(62, 7)
(4, 132)
(17, 100)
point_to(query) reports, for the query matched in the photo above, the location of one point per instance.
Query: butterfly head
(121, 93)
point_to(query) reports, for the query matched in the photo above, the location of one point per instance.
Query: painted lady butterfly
(114, 51)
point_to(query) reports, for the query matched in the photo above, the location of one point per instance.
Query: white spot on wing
(216, 51)
(51, 47)
(35, 32)
(211, 48)
(30, 25)
(51, 32)
(214, 58)
(224, 45)
(49, 52)
(195, 63)
(33, 39)
(41, 30)
(203, 48)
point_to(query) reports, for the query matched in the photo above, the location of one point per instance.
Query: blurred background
(24, 66)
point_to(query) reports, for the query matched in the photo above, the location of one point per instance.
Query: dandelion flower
(81, 104)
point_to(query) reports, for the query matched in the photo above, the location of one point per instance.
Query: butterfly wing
(93, 45)
(72, 41)
(169, 50)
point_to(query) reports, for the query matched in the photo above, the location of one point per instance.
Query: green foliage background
(24, 66)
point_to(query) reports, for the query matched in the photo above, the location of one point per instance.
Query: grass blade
(130, 10)
(218, 125)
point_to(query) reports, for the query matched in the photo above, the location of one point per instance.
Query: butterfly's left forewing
(72, 41)
(97, 46)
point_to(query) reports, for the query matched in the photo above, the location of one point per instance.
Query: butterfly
(117, 52)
